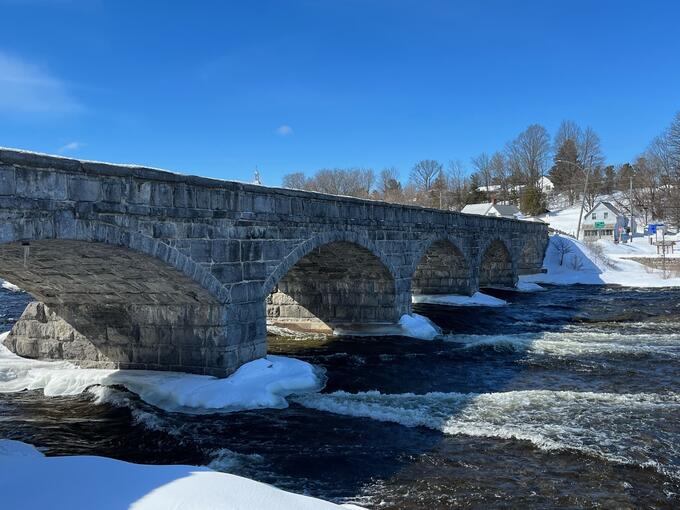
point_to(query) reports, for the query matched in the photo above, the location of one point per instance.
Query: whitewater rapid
(599, 424)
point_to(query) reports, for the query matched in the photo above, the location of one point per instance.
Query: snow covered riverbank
(30, 480)
(571, 262)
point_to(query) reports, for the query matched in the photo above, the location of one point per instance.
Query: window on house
(594, 216)
(606, 215)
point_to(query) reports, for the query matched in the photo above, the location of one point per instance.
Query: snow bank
(262, 383)
(523, 286)
(477, 299)
(9, 286)
(83, 482)
(571, 262)
(417, 326)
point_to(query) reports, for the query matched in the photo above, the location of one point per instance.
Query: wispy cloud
(70, 147)
(284, 130)
(28, 88)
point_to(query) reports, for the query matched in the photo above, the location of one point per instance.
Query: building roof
(608, 205)
(508, 211)
(477, 208)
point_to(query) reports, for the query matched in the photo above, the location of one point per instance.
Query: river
(565, 398)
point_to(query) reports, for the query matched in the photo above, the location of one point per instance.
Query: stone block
(7, 180)
(40, 184)
(84, 190)
(225, 250)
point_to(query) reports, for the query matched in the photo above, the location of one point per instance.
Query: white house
(604, 221)
(545, 185)
(492, 209)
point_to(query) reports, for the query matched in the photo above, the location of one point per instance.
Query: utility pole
(583, 205)
(663, 251)
(630, 198)
(585, 189)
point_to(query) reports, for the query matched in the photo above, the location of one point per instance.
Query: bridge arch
(332, 280)
(497, 267)
(109, 298)
(441, 267)
(68, 229)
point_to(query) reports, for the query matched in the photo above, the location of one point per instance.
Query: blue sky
(216, 88)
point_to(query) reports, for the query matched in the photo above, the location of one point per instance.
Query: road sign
(652, 228)
(599, 224)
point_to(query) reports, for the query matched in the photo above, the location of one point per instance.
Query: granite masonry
(134, 267)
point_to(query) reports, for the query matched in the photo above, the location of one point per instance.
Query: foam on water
(600, 424)
(574, 343)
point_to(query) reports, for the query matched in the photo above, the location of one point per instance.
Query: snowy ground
(30, 480)
(599, 262)
(570, 262)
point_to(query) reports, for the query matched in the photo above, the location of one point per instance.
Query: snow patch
(10, 448)
(81, 482)
(262, 383)
(417, 326)
(9, 286)
(523, 286)
(477, 299)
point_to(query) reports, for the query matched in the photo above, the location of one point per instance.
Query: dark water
(567, 398)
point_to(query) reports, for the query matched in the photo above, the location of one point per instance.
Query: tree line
(572, 160)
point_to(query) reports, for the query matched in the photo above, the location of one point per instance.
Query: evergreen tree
(564, 174)
(609, 180)
(475, 196)
(533, 201)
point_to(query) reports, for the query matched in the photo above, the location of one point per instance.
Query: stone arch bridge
(134, 267)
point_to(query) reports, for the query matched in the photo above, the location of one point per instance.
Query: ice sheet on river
(83, 482)
(477, 299)
(9, 286)
(262, 383)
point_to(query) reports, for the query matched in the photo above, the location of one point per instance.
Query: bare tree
(568, 130)
(561, 246)
(296, 180)
(458, 185)
(499, 169)
(482, 165)
(424, 174)
(528, 155)
(355, 182)
(389, 188)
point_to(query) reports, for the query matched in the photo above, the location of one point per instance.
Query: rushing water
(565, 398)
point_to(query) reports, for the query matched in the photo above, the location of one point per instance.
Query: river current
(564, 398)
